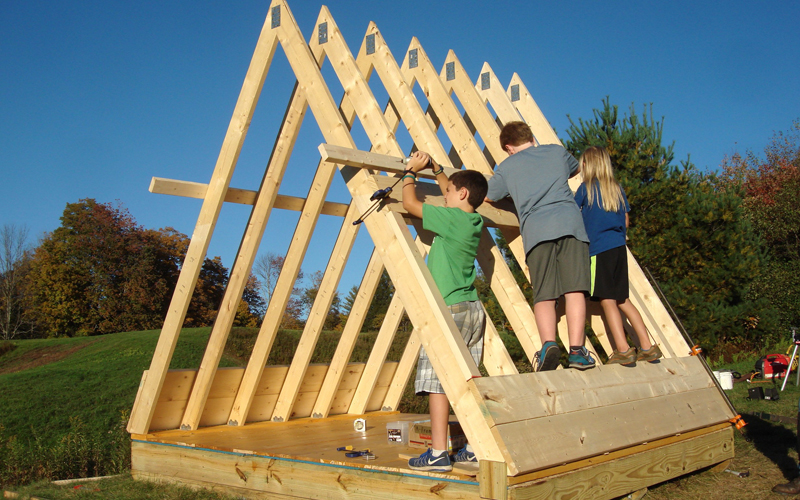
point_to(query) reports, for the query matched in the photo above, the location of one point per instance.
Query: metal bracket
(371, 43)
(450, 71)
(277, 419)
(323, 33)
(485, 81)
(514, 93)
(413, 61)
(276, 16)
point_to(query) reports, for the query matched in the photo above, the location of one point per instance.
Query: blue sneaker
(548, 358)
(464, 455)
(429, 463)
(581, 359)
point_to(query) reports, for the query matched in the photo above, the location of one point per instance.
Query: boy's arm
(419, 161)
(441, 178)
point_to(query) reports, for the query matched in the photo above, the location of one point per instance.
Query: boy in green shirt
(451, 262)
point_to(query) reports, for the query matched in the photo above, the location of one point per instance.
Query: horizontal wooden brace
(160, 185)
(373, 161)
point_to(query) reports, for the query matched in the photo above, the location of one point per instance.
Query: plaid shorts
(471, 321)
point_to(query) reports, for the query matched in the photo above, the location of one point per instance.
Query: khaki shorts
(558, 267)
(471, 321)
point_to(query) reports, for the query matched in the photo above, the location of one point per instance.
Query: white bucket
(716, 376)
(726, 380)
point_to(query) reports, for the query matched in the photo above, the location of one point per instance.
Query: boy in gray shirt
(556, 244)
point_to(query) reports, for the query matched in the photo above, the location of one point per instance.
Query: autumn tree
(688, 231)
(100, 272)
(16, 316)
(771, 190)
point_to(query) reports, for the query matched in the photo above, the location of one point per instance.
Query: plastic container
(726, 380)
(397, 432)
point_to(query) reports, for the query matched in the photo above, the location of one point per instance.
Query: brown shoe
(790, 488)
(623, 358)
(651, 354)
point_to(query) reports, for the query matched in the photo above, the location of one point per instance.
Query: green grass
(96, 383)
(122, 487)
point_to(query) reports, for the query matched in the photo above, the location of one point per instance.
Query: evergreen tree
(688, 231)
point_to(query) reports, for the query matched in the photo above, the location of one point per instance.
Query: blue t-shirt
(606, 230)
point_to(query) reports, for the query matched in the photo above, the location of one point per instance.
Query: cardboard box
(419, 436)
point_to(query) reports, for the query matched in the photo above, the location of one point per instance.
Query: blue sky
(97, 97)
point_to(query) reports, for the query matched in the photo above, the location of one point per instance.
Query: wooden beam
(347, 341)
(159, 185)
(457, 82)
(144, 406)
(492, 479)
(527, 107)
(495, 95)
(240, 272)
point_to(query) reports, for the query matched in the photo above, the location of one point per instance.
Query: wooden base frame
(298, 459)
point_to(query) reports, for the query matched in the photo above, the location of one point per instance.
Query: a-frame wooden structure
(273, 430)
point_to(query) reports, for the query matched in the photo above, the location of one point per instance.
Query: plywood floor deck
(311, 440)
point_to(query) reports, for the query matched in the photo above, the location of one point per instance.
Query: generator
(773, 366)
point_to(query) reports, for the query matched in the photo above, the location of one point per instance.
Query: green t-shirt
(452, 256)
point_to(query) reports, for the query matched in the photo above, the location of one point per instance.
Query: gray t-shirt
(536, 179)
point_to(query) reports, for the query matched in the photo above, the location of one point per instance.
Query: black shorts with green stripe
(609, 271)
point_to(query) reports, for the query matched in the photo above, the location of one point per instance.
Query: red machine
(773, 365)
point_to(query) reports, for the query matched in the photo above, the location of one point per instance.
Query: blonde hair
(596, 166)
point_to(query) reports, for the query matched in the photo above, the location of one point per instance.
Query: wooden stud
(347, 342)
(144, 406)
(159, 185)
(493, 481)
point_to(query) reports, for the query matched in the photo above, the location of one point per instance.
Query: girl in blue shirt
(605, 208)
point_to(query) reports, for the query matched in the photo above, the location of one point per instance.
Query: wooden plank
(347, 341)
(277, 477)
(160, 185)
(383, 342)
(286, 280)
(496, 96)
(544, 395)
(357, 90)
(636, 422)
(617, 478)
(474, 107)
(385, 377)
(404, 368)
(240, 273)
(144, 405)
(533, 116)
(493, 480)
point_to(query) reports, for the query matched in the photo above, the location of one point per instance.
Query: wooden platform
(571, 434)
(299, 459)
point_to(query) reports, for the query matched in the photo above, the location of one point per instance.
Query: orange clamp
(738, 421)
(696, 350)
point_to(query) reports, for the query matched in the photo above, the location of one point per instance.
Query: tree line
(723, 247)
